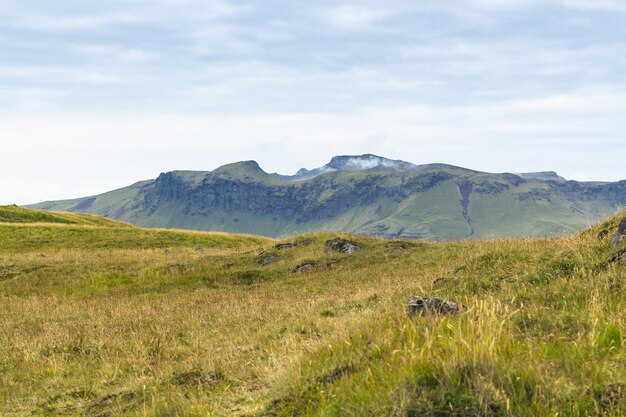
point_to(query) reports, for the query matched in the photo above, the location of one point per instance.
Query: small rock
(342, 245)
(435, 306)
(619, 256)
(614, 285)
(332, 264)
(198, 378)
(620, 234)
(616, 240)
(282, 246)
(439, 280)
(305, 242)
(398, 249)
(613, 395)
(304, 268)
(199, 249)
(621, 229)
(268, 260)
(175, 267)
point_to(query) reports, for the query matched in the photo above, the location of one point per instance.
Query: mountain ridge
(366, 194)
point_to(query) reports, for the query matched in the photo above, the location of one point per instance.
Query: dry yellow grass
(174, 329)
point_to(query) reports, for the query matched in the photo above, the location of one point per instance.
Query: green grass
(117, 320)
(15, 214)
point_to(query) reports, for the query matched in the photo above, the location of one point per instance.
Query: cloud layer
(98, 95)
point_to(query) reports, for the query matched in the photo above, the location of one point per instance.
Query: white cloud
(500, 4)
(602, 5)
(589, 5)
(356, 16)
(114, 53)
(91, 154)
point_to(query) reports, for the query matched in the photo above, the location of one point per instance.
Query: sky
(98, 95)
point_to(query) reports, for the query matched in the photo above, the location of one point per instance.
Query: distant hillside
(365, 194)
(28, 230)
(15, 214)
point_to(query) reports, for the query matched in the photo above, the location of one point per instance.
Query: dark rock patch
(283, 246)
(619, 236)
(336, 373)
(198, 378)
(432, 306)
(268, 260)
(113, 404)
(175, 268)
(332, 264)
(439, 280)
(252, 276)
(612, 396)
(399, 245)
(342, 245)
(619, 256)
(304, 268)
(615, 285)
(621, 229)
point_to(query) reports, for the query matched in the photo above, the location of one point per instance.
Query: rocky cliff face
(317, 199)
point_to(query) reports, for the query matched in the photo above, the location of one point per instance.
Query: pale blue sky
(97, 95)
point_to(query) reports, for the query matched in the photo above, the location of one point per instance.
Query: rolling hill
(99, 318)
(364, 194)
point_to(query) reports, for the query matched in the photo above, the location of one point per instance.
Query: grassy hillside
(15, 214)
(109, 320)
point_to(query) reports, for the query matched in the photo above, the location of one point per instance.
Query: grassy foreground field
(99, 318)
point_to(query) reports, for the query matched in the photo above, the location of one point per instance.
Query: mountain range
(366, 194)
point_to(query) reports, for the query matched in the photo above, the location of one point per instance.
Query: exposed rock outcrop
(342, 245)
(268, 260)
(305, 268)
(433, 306)
(619, 236)
(283, 246)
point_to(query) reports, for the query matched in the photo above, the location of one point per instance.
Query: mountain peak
(351, 163)
(364, 162)
(242, 169)
(242, 165)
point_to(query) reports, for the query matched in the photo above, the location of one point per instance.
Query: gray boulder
(304, 268)
(342, 245)
(619, 256)
(268, 260)
(618, 237)
(434, 306)
(283, 246)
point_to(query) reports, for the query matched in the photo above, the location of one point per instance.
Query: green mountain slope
(363, 194)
